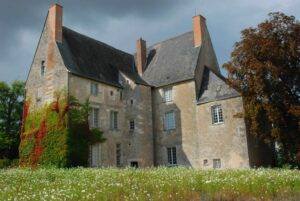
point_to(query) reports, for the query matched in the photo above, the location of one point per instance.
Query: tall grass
(149, 184)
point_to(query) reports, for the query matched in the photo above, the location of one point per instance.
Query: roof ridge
(169, 39)
(97, 41)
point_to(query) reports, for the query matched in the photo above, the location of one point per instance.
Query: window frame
(172, 156)
(217, 163)
(131, 124)
(93, 123)
(168, 124)
(43, 69)
(118, 155)
(217, 114)
(168, 94)
(94, 89)
(113, 119)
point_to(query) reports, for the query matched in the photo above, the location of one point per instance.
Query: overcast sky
(121, 22)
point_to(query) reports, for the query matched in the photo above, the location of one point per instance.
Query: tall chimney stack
(199, 26)
(141, 56)
(55, 18)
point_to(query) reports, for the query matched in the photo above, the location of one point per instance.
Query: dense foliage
(11, 102)
(57, 134)
(149, 184)
(265, 67)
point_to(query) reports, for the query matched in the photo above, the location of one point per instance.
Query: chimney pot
(199, 27)
(141, 56)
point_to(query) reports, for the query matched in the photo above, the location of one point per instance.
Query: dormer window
(43, 68)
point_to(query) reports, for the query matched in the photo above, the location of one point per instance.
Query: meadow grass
(149, 184)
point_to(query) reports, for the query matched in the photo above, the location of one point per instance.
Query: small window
(43, 68)
(168, 94)
(118, 155)
(121, 95)
(113, 120)
(94, 89)
(216, 163)
(217, 114)
(131, 102)
(205, 162)
(94, 118)
(172, 158)
(131, 125)
(169, 121)
(111, 93)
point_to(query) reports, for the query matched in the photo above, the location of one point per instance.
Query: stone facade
(171, 108)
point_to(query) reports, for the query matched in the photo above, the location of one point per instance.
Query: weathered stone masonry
(168, 104)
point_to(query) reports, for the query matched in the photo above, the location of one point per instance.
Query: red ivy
(38, 148)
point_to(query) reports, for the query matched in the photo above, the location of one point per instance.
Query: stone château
(165, 105)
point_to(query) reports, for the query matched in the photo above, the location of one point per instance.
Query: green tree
(265, 68)
(11, 103)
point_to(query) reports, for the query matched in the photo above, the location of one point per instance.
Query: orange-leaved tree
(265, 68)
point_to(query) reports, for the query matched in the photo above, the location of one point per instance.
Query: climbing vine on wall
(57, 134)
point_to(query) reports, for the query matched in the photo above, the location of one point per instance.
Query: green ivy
(67, 138)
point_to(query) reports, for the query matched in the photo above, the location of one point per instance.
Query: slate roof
(95, 60)
(214, 87)
(171, 61)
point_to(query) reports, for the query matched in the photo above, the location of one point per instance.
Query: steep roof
(95, 60)
(171, 61)
(214, 87)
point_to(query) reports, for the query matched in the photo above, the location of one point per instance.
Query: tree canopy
(11, 103)
(265, 68)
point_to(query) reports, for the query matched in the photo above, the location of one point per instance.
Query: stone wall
(184, 107)
(226, 141)
(37, 86)
(136, 145)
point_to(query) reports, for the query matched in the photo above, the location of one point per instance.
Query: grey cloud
(120, 22)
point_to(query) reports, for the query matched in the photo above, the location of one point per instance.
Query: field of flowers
(149, 184)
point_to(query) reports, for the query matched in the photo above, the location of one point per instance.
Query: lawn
(149, 184)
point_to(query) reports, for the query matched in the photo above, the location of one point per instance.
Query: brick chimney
(199, 26)
(55, 17)
(141, 56)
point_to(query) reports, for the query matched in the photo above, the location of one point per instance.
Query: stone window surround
(113, 120)
(165, 121)
(168, 94)
(172, 155)
(94, 119)
(217, 114)
(217, 163)
(118, 154)
(94, 89)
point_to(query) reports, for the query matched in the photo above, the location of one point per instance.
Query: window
(131, 102)
(113, 120)
(94, 89)
(94, 117)
(131, 124)
(172, 159)
(205, 162)
(118, 155)
(111, 93)
(217, 114)
(217, 163)
(169, 121)
(168, 94)
(43, 68)
(121, 95)
(95, 155)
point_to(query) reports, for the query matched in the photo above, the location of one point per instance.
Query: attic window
(43, 68)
